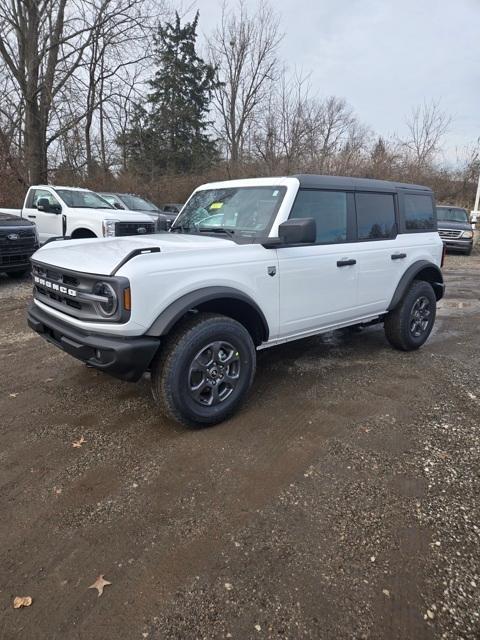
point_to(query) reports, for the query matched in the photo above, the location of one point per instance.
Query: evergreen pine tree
(169, 132)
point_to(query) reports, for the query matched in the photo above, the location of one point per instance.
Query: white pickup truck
(78, 213)
(247, 264)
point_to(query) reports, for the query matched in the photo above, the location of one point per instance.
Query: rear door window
(375, 216)
(328, 209)
(419, 213)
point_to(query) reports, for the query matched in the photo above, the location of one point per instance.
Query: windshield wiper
(228, 232)
(180, 227)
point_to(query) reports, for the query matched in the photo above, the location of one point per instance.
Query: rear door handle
(345, 263)
(398, 256)
(31, 216)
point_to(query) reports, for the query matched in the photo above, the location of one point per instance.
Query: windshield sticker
(216, 205)
(275, 194)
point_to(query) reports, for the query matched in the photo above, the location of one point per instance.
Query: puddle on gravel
(458, 305)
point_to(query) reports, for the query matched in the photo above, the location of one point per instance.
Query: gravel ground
(342, 502)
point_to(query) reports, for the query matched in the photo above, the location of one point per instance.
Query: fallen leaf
(386, 592)
(76, 444)
(57, 491)
(228, 586)
(99, 584)
(430, 614)
(372, 559)
(13, 395)
(258, 627)
(22, 601)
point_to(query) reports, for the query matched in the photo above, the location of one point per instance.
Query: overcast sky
(385, 56)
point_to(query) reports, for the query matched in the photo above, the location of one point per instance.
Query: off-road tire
(171, 369)
(398, 322)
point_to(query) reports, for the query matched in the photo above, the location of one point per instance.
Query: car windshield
(83, 199)
(135, 203)
(240, 212)
(452, 214)
(113, 200)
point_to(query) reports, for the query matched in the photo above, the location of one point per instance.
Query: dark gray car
(455, 228)
(133, 202)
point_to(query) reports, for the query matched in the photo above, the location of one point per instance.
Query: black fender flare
(435, 278)
(176, 310)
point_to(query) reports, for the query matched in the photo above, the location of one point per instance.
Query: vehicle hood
(452, 224)
(8, 220)
(102, 256)
(123, 215)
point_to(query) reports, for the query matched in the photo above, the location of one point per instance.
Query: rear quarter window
(419, 212)
(375, 216)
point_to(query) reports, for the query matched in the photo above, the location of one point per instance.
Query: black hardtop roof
(310, 181)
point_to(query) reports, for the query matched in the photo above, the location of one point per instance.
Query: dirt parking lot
(342, 502)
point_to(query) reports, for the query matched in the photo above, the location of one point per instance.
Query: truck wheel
(204, 370)
(17, 274)
(408, 326)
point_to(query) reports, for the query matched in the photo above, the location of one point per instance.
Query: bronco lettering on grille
(55, 287)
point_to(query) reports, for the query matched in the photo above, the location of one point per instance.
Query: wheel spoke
(214, 373)
(420, 316)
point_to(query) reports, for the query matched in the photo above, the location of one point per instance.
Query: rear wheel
(17, 274)
(408, 326)
(204, 371)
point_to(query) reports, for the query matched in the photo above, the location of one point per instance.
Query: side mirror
(117, 205)
(43, 204)
(298, 231)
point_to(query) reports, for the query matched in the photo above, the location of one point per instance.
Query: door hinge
(272, 271)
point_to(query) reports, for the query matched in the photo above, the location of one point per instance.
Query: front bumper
(124, 358)
(458, 245)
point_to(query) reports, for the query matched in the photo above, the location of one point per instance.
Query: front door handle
(31, 216)
(398, 256)
(345, 263)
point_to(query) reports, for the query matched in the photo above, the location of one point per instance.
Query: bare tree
(283, 127)
(244, 49)
(427, 126)
(43, 45)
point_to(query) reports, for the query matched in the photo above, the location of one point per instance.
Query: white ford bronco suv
(79, 213)
(248, 264)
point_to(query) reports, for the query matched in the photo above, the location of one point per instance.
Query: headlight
(109, 228)
(467, 234)
(109, 304)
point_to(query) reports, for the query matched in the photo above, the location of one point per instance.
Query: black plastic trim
(123, 358)
(177, 309)
(133, 254)
(410, 275)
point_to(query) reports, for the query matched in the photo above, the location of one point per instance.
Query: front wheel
(408, 326)
(204, 371)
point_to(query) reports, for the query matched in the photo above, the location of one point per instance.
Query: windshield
(243, 212)
(83, 199)
(452, 213)
(135, 203)
(113, 200)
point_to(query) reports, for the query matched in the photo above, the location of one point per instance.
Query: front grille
(134, 228)
(72, 293)
(449, 234)
(19, 243)
(22, 233)
(20, 258)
